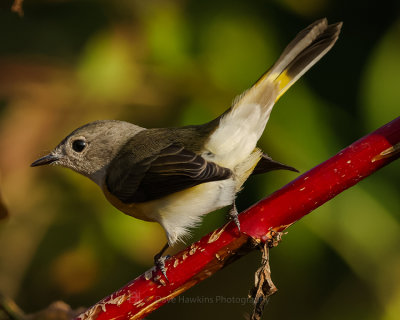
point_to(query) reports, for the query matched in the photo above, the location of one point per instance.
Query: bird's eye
(78, 145)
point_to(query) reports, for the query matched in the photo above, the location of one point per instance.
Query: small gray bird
(174, 176)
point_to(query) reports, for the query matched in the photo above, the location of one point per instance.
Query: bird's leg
(233, 214)
(159, 260)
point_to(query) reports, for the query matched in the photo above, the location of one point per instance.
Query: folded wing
(171, 170)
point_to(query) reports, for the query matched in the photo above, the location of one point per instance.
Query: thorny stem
(258, 223)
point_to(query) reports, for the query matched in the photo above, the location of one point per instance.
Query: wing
(171, 170)
(267, 164)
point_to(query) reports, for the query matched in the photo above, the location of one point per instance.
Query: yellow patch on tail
(283, 81)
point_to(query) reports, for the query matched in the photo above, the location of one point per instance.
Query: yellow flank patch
(130, 209)
(145, 210)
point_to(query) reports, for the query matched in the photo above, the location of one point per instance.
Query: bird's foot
(159, 262)
(233, 215)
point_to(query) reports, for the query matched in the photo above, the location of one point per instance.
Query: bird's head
(89, 149)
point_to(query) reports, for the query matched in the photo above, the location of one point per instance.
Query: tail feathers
(302, 40)
(239, 128)
(307, 48)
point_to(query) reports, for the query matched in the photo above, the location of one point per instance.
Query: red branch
(276, 212)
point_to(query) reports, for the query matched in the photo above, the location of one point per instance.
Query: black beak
(45, 160)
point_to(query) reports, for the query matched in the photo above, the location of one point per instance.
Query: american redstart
(174, 176)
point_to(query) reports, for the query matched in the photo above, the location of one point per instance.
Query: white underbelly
(181, 211)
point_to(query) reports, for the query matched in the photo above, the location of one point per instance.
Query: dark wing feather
(173, 169)
(267, 164)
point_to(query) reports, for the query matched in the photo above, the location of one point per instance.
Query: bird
(176, 175)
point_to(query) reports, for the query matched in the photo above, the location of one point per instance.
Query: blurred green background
(170, 63)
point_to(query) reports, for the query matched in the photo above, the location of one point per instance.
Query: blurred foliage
(3, 208)
(177, 62)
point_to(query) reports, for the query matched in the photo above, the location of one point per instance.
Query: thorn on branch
(389, 152)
